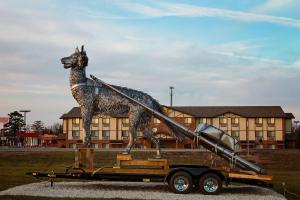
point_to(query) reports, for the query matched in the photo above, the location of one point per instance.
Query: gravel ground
(131, 190)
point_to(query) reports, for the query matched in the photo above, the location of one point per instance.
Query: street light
(171, 96)
(24, 113)
(296, 122)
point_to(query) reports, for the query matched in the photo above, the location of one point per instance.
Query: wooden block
(124, 157)
(84, 158)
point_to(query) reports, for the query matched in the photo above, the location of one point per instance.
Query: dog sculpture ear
(82, 48)
(77, 50)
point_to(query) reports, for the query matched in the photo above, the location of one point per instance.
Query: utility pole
(24, 113)
(171, 96)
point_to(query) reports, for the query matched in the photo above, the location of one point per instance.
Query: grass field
(283, 165)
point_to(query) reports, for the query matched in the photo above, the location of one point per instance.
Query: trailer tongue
(202, 137)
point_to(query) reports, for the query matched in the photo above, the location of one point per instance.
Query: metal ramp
(200, 135)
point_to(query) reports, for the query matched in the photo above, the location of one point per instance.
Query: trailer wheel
(210, 184)
(181, 183)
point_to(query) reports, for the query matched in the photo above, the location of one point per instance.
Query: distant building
(256, 127)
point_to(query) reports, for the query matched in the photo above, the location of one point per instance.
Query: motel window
(75, 122)
(105, 134)
(271, 135)
(258, 121)
(188, 120)
(271, 121)
(203, 120)
(259, 146)
(95, 122)
(271, 146)
(124, 133)
(138, 146)
(95, 133)
(156, 121)
(125, 122)
(73, 146)
(258, 135)
(105, 146)
(105, 121)
(223, 121)
(139, 133)
(235, 121)
(75, 133)
(235, 134)
(95, 146)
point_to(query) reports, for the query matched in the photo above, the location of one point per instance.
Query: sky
(214, 52)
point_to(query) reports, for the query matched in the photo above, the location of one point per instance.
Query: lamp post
(296, 122)
(24, 113)
(171, 96)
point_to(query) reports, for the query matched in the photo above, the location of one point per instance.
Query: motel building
(256, 127)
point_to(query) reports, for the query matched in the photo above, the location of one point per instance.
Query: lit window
(95, 146)
(95, 133)
(105, 134)
(188, 120)
(258, 121)
(235, 121)
(156, 121)
(105, 146)
(223, 121)
(271, 121)
(95, 122)
(125, 122)
(259, 146)
(105, 121)
(75, 122)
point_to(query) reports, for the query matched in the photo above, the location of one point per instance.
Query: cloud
(162, 9)
(277, 5)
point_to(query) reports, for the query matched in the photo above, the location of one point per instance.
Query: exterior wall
(245, 131)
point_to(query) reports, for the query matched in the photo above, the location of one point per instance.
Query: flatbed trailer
(180, 178)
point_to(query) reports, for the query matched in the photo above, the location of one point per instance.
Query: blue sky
(220, 52)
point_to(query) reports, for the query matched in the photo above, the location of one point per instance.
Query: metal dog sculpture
(96, 99)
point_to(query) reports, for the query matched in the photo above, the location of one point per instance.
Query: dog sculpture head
(78, 59)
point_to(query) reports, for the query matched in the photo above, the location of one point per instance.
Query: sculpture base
(84, 158)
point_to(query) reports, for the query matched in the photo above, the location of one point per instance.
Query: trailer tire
(210, 184)
(181, 183)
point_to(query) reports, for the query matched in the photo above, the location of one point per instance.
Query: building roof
(75, 113)
(289, 116)
(211, 111)
(244, 111)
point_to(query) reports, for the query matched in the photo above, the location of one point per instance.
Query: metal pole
(171, 96)
(24, 113)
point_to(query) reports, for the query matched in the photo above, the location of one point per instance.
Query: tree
(37, 126)
(16, 122)
(56, 129)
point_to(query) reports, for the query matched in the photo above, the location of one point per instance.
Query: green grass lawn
(283, 165)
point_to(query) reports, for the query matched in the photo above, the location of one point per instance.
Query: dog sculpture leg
(149, 133)
(87, 115)
(134, 116)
